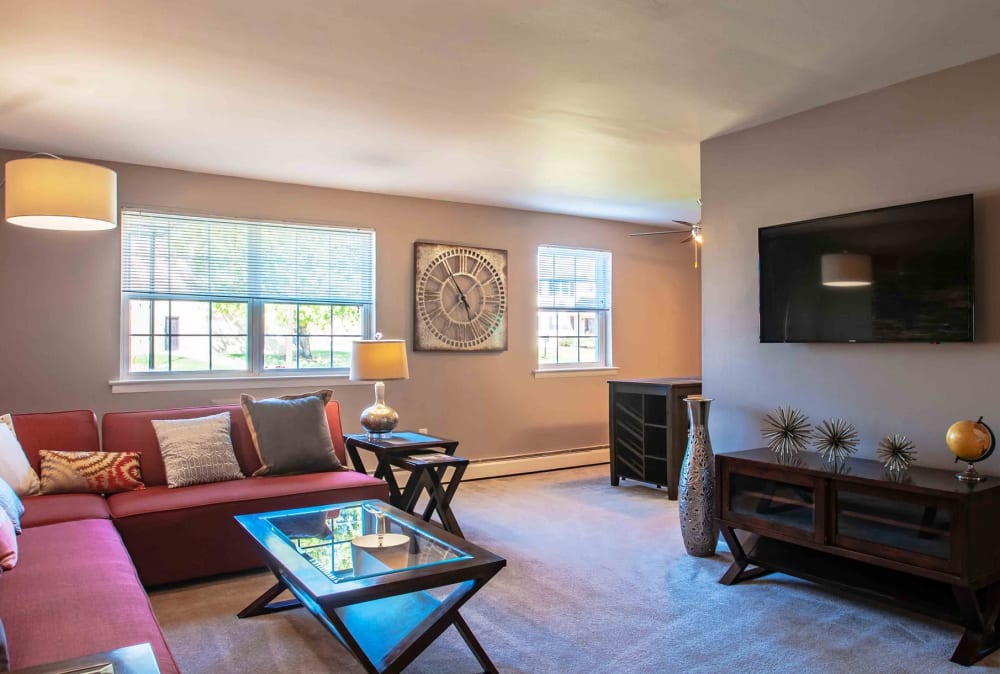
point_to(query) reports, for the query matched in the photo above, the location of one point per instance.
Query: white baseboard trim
(480, 469)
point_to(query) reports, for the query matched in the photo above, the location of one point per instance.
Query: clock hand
(461, 295)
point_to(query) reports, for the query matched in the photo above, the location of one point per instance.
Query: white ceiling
(591, 107)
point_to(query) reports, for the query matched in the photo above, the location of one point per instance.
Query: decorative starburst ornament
(896, 452)
(787, 431)
(836, 439)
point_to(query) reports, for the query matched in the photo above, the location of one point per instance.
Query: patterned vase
(699, 529)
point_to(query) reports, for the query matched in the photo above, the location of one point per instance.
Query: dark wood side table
(421, 456)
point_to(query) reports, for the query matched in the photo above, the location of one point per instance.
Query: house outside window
(574, 308)
(210, 297)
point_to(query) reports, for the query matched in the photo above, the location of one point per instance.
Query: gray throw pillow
(197, 451)
(11, 506)
(291, 433)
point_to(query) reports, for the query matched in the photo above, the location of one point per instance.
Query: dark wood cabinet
(649, 426)
(923, 540)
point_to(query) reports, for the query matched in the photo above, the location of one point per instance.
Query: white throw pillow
(14, 467)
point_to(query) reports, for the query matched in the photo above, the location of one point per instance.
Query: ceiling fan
(692, 229)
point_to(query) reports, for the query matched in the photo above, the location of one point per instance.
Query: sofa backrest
(74, 431)
(133, 432)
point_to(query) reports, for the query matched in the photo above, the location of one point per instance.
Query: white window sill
(152, 385)
(566, 372)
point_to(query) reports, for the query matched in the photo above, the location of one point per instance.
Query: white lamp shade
(60, 194)
(379, 360)
(846, 270)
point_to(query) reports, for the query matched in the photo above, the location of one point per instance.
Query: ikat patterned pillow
(90, 472)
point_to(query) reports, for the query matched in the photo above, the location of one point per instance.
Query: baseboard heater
(520, 464)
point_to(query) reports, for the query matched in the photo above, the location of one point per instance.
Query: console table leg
(980, 619)
(737, 571)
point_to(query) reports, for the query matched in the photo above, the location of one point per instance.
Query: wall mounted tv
(897, 274)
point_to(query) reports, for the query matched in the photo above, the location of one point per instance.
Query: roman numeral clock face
(460, 298)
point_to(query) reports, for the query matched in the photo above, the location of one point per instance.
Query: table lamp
(379, 360)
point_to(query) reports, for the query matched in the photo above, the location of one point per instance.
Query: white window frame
(256, 375)
(604, 364)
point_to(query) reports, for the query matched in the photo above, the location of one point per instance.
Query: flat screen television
(897, 274)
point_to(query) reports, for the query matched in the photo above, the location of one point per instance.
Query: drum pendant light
(52, 193)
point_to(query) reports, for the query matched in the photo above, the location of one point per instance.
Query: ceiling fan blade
(687, 239)
(686, 223)
(678, 231)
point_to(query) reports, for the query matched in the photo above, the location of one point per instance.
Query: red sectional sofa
(83, 559)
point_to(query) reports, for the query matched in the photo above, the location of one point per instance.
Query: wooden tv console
(925, 542)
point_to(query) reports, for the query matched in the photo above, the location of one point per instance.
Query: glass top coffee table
(386, 584)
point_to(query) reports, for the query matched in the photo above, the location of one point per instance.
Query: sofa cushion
(253, 490)
(133, 432)
(89, 472)
(73, 431)
(197, 451)
(11, 506)
(77, 580)
(14, 467)
(158, 522)
(42, 510)
(291, 433)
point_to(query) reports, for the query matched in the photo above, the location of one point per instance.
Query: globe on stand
(970, 441)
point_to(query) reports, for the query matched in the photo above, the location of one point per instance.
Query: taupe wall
(60, 294)
(930, 137)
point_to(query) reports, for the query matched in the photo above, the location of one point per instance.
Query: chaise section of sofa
(74, 592)
(189, 532)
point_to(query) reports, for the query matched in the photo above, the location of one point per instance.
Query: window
(216, 297)
(574, 307)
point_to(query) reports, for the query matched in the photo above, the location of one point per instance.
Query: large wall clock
(460, 298)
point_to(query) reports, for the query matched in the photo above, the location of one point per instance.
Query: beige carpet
(597, 581)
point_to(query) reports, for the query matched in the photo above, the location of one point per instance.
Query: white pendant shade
(846, 270)
(379, 360)
(60, 194)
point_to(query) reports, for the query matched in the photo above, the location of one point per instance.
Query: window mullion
(255, 336)
(604, 344)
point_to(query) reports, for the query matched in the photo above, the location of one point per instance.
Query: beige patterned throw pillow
(89, 472)
(197, 451)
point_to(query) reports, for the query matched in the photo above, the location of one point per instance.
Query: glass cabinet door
(782, 503)
(910, 526)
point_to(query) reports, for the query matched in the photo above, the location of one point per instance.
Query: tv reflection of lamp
(846, 270)
(378, 360)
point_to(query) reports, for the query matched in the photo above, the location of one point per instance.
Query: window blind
(574, 278)
(167, 254)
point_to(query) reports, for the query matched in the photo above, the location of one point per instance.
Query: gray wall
(60, 293)
(931, 137)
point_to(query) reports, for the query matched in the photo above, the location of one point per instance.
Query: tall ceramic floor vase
(699, 529)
